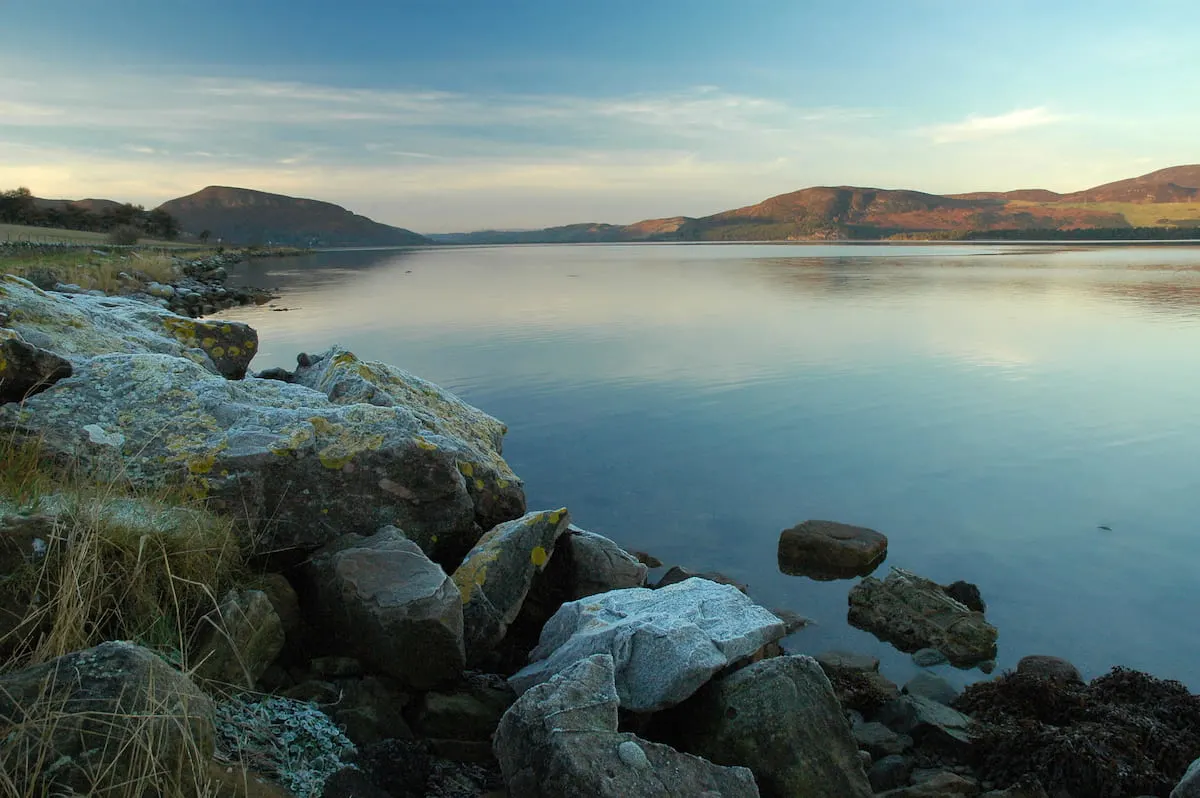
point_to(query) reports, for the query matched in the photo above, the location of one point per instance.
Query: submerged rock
(778, 717)
(560, 738)
(495, 576)
(301, 468)
(913, 613)
(496, 492)
(26, 369)
(829, 550)
(388, 603)
(665, 643)
(78, 326)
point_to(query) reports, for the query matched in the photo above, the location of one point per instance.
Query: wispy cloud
(980, 127)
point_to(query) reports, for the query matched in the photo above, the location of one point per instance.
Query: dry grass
(1154, 214)
(54, 235)
(87, 268)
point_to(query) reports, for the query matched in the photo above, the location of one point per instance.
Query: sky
(447, 116)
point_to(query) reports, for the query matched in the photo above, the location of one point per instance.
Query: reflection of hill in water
(319, 269)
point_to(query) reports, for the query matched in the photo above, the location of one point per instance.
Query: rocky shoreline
(403, 625)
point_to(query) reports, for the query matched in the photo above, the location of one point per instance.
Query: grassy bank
(85, 267)
(53, 235)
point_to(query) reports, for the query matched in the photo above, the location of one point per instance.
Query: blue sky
(444, 116)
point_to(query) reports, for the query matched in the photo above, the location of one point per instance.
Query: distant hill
(245, 216)
(1166, 198)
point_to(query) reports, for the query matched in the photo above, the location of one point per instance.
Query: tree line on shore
(19, 206)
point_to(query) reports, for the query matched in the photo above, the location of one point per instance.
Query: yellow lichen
(426, 445)
(466, 469)
(538, 556)
(217, 351)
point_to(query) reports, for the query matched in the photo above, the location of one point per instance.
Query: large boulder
(301, 468)
(79, 326)
(599, 565)
(778, 717)
(912, 613)
(495, 491)
(665, 643)
(26, 369)
(115, 719)
(495, 576)
(1189, 785)
(386, 602)
(244, 638)
(560, 738)
(830, 550)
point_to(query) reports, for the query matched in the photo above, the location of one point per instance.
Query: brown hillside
(1175, 184)
(653, 227)
(1023, 195)
(245, 216)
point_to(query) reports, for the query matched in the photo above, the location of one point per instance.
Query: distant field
(53, 235)
(1149, 215)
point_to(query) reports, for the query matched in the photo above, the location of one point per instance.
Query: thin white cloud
(980, 127)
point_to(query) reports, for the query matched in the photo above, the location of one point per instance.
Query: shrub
(125, 235)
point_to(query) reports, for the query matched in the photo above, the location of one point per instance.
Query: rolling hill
(245, 216)
(1166, 198)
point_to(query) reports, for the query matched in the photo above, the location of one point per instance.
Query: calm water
(987, 408)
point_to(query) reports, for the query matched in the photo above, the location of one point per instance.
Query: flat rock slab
(665, 643)
(829, 550)
(560, 738)
(912, 613)
(495, 576)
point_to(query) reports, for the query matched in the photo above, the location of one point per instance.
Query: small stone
(880, 740)
(988, 665)
(792, 621)
(1054, 668)
(677, 574)
(648, 560)
(928, 657)
(632, 754)
(932, 687)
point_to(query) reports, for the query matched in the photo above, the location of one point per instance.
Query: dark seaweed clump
(1126, 733)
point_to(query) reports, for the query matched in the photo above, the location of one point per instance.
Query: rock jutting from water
(827, 550)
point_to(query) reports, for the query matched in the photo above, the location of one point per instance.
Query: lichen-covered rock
(665, 643)
(560, 738)
(778, 717)
(830, 550)
(383, 599)
(77, 326)
(495, 490)
(495, 576)
(246, 636)
(26, 369)
(301, 468)
(599, 565)
(912, 613)
(1189, 785)
(103, 717)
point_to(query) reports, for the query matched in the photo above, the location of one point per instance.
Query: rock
(778, 717)
(928, 657)
(352, 782)
(1049, 667)
(26, 369)
(648, 560)
(598, 565)
(1028, 787)
(967, 595)
(889, 772)
(927, 722)
(675, 575)
(560, 738)
(160, 290)
(665, 643)
(942, 785)
(235, 781)
(370, 709)
(245, 638)
(302, 469)
(283, 375)
(988, 665)
(496, 492)
(469, 713)
(829, 550)
(912, 612)
(846, 661)
(78, 326)
(1189, 785)
(880, 741)
(932, 687)
(792, 621)
(387, 603)
(495, 576)
(282, 595)
(104, 717)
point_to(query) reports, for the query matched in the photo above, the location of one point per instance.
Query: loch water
(1023, 417)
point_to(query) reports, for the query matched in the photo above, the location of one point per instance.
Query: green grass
(1155, 214)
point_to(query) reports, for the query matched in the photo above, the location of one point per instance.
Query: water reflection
(988, 409)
